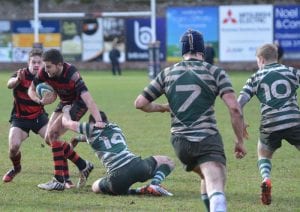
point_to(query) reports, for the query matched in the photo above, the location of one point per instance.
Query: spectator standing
(209, 54)
(280, 51)
(114, 56)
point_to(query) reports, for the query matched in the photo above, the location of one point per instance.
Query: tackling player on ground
(123, 167)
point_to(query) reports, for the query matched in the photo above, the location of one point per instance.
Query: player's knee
(13, 151)
(165, 160)
(96, 186)
(14, 148)
(47, 140)
(170, 163)
(52, 136)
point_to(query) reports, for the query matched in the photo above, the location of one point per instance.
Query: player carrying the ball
(71, 89)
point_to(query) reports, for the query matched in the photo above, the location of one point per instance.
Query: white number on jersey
(190, 99)
(115, 139)
(273, 89)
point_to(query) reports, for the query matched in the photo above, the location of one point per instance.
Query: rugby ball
(44, 88)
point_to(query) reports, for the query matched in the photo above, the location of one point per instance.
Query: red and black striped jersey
(24, 107)
(68, 86)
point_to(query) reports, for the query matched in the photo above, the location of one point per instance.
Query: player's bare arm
(143, 104)
(67, 121)
(72, 125)
(242, 100)
(45, 100)
(237, 122)
(93, 108)
(14, 81)
(32, 93)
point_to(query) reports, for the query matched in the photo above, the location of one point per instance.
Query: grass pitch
(147, 134)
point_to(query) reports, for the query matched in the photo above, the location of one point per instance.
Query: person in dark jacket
(114, 56)
(280, 51)
(209, 54)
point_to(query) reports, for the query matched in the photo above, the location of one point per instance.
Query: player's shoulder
(293, 69)
(216, 71)
(114, 126)
(69, 68)
(70, 72)
(213, 68)
(175, 68)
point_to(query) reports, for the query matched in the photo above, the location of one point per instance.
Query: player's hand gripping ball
(46, 93)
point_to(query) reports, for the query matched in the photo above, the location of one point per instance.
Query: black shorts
(119, 181)
(273, 141)
(78, 109)
(192, 154)
(30, 124)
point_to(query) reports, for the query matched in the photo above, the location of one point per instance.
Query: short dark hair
(103, 117)
(53, 55)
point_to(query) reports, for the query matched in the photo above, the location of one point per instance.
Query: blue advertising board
(287, 29)
(139, 36)
(23, 37)
(27, 26)
(180, 19)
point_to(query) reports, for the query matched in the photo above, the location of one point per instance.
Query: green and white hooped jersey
(109, 145)
(191, 88)
(275, 87)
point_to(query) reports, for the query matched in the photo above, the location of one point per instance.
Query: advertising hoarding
(139, 36)
(71, 43)
(180, 19)
(5, 42)
(113, 35)
(243, 29)
(92, 39)
(287, 29)
(23, 37)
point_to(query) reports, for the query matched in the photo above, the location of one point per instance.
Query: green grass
(147, 134)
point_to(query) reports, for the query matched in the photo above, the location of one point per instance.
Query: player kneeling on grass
(123, 167)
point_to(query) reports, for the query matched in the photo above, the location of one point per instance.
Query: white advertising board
(243, 29)
(92, 39)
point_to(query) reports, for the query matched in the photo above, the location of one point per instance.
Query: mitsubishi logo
(229, 18)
